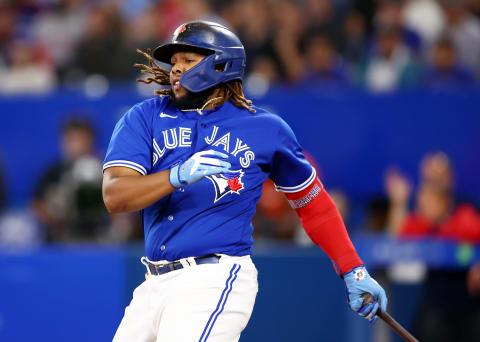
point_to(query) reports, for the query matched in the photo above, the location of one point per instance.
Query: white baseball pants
(198, 303)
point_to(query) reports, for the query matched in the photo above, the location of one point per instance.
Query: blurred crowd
(431, 209)
(381, 45)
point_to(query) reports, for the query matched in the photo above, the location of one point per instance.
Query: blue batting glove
(358, 282)
(201, 164)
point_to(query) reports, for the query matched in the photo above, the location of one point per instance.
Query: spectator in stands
(263, 74)
(425, 18)
(398, 189)
(474, 7)
(27, 71)
(103, 50)
(199, 10)
(354, 41)
(274, 218)
(7, 20)
(18, 228)
(323, 64)
(473, 280)
(59, 30)
(435, 214)
(390, 64)
(266, 66)
(172, 13)
(436, 168)
(377, 214)
(68, 199)
(291, 29)
(254, 26)
(321, 18)
(142, 31)
(448, 312)
(464, 28)
(446, 71)
(389, 13)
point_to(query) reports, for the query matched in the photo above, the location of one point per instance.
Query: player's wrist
(353, 272)
(175, 176)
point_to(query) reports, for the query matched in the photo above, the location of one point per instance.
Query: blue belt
(177, 265)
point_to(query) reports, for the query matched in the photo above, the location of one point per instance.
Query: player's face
(181, 62)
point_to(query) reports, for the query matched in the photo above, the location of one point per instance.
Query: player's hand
(201, 164)
(358, 282)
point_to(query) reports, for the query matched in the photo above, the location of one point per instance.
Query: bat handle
(368, 298)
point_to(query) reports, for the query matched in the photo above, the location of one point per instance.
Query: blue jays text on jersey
(213, 215)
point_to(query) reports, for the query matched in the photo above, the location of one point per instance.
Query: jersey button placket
(170, 217)
(203, 121)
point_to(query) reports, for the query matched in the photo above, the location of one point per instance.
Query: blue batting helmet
(225, 60)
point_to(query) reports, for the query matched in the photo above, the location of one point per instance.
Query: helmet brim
(164, 52)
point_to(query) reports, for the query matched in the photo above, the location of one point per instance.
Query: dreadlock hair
(231, 90)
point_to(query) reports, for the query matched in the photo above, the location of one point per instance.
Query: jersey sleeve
(290, 171)
(131, 143)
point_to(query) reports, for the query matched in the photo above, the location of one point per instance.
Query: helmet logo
(177, 32)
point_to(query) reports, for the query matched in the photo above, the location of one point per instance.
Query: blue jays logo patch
(228, 183)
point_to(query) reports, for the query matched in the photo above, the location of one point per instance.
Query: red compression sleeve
(323, 223)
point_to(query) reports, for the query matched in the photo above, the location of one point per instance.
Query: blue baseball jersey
(213, 215)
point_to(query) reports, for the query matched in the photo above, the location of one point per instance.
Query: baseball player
(193, 162)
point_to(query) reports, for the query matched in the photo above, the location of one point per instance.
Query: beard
(191, 100)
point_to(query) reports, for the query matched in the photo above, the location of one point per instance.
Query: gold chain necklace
(199, 110)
